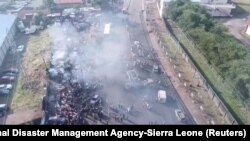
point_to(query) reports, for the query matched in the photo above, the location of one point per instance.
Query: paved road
(159, 113)
(139, 33)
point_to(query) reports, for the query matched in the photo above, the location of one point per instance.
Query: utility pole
(44, 61)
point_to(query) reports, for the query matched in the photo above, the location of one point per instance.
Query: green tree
(189, 19)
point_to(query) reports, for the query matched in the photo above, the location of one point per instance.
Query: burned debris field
(100, 73)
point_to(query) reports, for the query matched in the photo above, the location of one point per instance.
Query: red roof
(68, 1)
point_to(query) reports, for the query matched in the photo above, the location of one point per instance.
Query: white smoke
(94, 55)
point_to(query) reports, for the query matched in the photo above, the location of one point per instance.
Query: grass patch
(32, 78)
(24, 98)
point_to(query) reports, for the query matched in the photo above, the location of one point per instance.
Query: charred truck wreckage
(111, 78)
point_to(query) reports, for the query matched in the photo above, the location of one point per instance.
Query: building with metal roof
(7, 33)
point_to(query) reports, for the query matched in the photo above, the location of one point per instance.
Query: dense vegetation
(226, 54)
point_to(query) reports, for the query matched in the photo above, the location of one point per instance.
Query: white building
(7, 33)
(217, 8)
(248, 27)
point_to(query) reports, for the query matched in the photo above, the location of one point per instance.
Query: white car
(20, 48)
(6, 86)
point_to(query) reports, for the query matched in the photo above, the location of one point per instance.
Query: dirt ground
(23, 117)
(237, 27)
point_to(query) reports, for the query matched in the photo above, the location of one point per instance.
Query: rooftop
(68, 1)
(5, 25)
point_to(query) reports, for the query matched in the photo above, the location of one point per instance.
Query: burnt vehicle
(180, 115)
(81, 26)
(58, 74)
(132, 75)
(96, 100)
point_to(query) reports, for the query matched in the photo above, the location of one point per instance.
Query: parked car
(6, 86)
(8, 74)
(4, 92)
(3, 109)
(7, 79)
